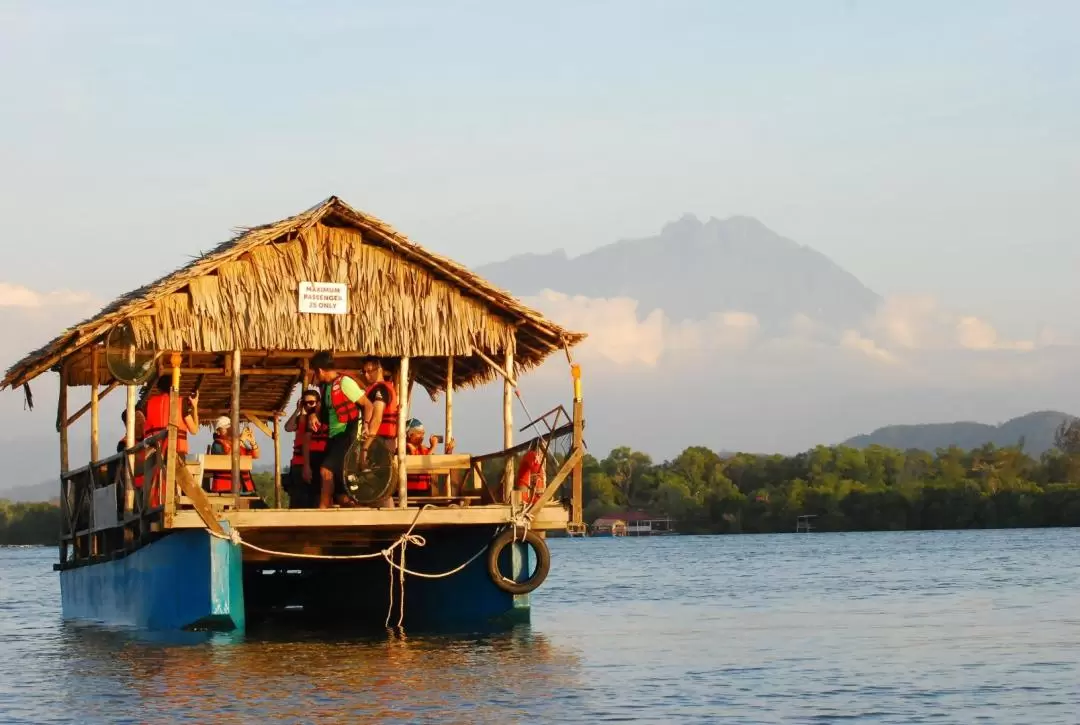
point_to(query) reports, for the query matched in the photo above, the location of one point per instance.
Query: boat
(144, 544)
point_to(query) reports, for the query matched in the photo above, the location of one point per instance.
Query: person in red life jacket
(344, 408)
(419, 484)
(221, 481)
(309, 447)
(531, 476)
(156, 412)
(121, 446)
(381, 426)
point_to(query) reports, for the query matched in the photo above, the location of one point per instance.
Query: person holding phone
(156, 415)
(309, 448)
(420, 484)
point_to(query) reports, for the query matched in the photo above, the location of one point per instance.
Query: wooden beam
(198, 498)
(82, 411)
(495, 366)
(551, 488)
(577, 510)
(171, 456)
(277, 463)
(449, 430)
(235, 432)
(403, 406)
(95, 408)
(457, 461)
(258, 423)
(61, 419)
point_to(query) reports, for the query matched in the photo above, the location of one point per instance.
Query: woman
(309, 448)
(221, 481)
(420, 484)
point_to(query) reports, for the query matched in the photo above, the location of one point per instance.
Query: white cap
(222, 423)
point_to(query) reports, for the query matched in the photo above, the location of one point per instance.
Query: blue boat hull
(191, 580)
(184, 580)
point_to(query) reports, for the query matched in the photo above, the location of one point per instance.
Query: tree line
(847, 489)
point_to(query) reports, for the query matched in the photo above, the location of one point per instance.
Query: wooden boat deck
(549, 517)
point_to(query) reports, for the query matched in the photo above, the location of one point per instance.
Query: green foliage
(847, 489)
(28, 523)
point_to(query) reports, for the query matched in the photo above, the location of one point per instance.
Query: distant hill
(46, 491)
(1036, 430)
(694, 268)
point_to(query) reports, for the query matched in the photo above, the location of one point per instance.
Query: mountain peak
(685, 227)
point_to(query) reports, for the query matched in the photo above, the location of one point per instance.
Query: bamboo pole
(171, 456)
(129, 442)
(403, 405)
(95, 410)
(277, 463)
(449, 431)
(61, 419)
(235, 425)
(508, 419)
(577, 512)
(83, 410)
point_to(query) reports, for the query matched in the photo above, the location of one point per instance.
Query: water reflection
(304, 676)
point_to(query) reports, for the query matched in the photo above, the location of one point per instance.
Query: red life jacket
(316, 442)
(347, 411)
(221, 481)
(418, 482)
(157, 420)
(140, 460)
(532, 477)
(388, 424)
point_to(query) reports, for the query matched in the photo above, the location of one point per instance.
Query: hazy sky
(929, 148)
(925, 146)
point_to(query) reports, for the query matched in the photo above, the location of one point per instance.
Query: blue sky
(926, 147)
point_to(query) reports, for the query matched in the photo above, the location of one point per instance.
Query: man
(309, 447)
(344, 408)
(381, 426)
(420, 484)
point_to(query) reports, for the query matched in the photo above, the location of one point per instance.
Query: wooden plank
(403, 407)
(449, 430)
(552, 487)
(171, 456)
(129, 443)
(223, 462)
(457, 461)
(198, 499)
(550, 517)
(496, 367)
(234, 409)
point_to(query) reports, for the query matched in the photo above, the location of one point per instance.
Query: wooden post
(277, 462)
(235, 425)
(95, 407)
(449, 431)
(577, 513)
(129, 442)
(508, 419)
(61, 418)
(403, 405)
(170, 455)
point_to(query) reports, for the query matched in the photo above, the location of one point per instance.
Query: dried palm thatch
(403, 301)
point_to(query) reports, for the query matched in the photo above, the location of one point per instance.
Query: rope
(517, 520)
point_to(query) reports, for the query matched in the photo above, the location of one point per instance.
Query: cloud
(32, 318)
(921, 323)
(12, 295)
(852, 340)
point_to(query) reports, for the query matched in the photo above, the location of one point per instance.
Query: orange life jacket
(157, 420)
(418, 482)
(316, 441)
(347, 411)
(221, 481)
(532, 477)
(388, 424)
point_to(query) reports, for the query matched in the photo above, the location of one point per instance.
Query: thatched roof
(403, 301)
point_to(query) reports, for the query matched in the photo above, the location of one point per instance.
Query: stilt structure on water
(142, 542)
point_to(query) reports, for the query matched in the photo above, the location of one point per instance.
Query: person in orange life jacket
(156, 412)
(344, 408)
(381, 426)
(221, 481)
(309, 447)
(420, 483)
(121, 446)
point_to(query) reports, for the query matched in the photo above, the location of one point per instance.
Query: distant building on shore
(632, 523)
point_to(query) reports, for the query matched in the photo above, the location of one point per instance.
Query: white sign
(324, 298)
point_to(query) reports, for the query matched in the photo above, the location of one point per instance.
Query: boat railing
(102, 509)
(495, 471)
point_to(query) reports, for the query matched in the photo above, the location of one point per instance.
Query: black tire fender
(543, 561)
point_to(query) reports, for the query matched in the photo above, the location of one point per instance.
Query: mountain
(47, 491)
(1036, 430)
(692, 268)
